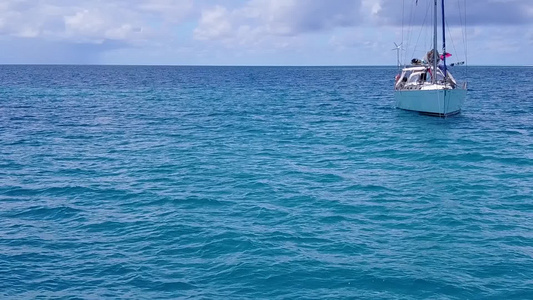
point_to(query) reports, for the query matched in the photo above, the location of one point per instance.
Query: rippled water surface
(261, 182)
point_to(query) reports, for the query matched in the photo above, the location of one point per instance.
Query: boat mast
(435, 43)
(443, 40)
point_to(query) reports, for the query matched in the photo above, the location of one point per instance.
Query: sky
(259, 32)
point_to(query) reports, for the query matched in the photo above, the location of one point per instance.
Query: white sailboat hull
(440, 102)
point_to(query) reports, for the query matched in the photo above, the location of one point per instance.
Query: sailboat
(427, 86)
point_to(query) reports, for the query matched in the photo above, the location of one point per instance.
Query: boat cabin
(414, 77)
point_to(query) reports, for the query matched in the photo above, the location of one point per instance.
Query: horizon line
(229, 65)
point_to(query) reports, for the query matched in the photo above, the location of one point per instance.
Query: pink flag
(447, 55)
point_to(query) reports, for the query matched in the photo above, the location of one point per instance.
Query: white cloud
(277, 18)
(478, 12)
(95, 25)
(209, 29)
(90, 21)
(215, 23)
(173, 11)
(371, 7)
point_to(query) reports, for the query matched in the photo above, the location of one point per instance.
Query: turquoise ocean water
(261, 182)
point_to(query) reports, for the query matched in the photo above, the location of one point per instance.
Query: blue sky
(256, 32)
